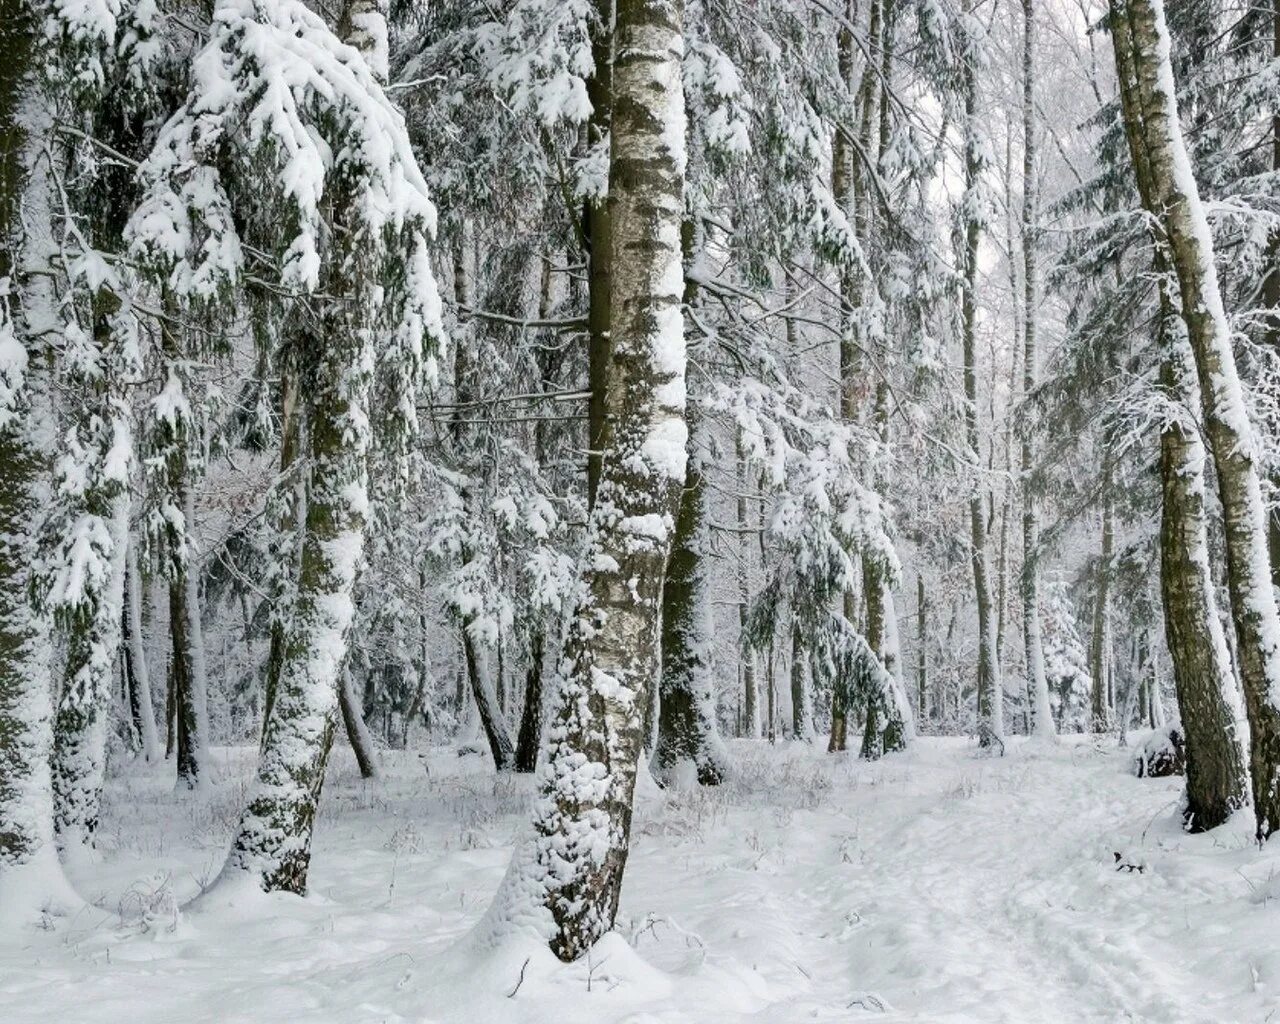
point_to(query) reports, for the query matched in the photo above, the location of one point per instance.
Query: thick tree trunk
(686, 706)
(30, 876)
(568, 878)
(1142, 46)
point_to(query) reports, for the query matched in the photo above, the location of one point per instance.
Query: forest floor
(936, 885)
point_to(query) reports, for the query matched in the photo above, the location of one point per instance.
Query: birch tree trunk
(1141, 40)
(1042, 714)
(1202, 667)
(566, 881)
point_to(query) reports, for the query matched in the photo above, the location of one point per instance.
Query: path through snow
(935, 886)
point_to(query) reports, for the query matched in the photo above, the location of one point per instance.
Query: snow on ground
(936, 885)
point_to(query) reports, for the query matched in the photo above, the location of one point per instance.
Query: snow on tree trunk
(686, 707)
(1041, 711)
(30, 875)
(491, 717)
(140, 676)
(1203, 674)
(565, 882)
(990, 686)
(1141, 41)
(357, 730)
(93, 644)
(273, 840)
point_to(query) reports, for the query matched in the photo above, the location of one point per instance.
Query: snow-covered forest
(639, 510)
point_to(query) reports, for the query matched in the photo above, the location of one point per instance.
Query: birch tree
(565, 881)
(1141, 41)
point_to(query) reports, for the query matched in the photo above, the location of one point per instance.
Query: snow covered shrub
(1163, 754)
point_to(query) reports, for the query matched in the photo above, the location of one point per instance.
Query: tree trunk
(922, 653)
(495, 726)
(989, 684)
(191, 691)
(1042, 714)
(572, 869)
(290, 518)
(598, 237)
(686, 706)
(1100, 715)
(1142, 45)
(140, 691)
(530, 738)
(80, 727)
(30, 875)
(357, 731)
(801, 688)
(751, 701)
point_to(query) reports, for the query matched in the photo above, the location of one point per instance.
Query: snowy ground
(934, 886)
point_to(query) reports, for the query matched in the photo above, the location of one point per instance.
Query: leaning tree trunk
(30, 875)
(1216, 784)
(357, 730)
(566, 881)
(1203, 675)
(686, 706)
(491, 717)
(1141, 42)
(273, 841)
